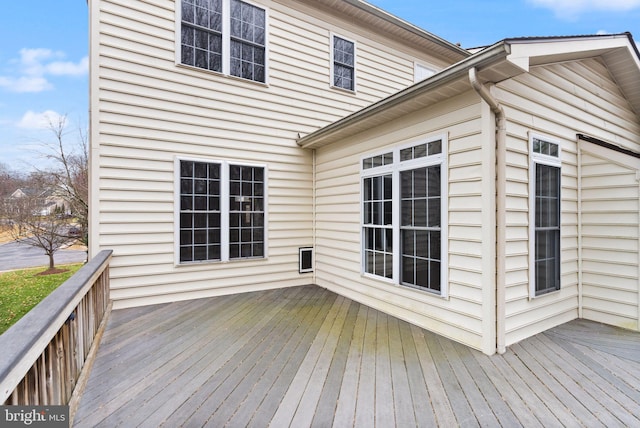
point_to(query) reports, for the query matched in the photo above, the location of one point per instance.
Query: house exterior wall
(610, 208)
(558, 102)
(468, 314)
(147, 110)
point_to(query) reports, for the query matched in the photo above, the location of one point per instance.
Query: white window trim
(226, 42)
(224, 211)
(355, 63)
(395, 169)
(416, 70)
(538, 158)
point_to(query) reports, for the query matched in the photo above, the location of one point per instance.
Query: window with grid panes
(344, 57)
(246, 211)
(200, 213)
(222, 211)
(546, 216)
(402, 224)
(421, 227)
(203, 37)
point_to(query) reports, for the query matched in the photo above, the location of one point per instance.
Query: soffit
(625, 69)
(501, 61)
(618, 51)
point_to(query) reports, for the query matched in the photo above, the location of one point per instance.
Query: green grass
(21, 290)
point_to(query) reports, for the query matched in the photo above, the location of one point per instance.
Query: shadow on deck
(305, 356)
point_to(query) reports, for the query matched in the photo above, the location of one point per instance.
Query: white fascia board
(524, 52)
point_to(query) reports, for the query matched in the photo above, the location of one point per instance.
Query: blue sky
(44, 67)
(43, 72)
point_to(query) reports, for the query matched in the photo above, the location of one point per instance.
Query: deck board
(402, 397)
(365, 402)
(347, 397)
(304, 356)
(330, 390)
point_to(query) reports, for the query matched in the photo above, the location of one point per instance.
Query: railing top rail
(25, 341)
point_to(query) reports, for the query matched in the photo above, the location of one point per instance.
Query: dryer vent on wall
(305, 259)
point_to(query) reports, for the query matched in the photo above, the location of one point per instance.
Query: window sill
(346, 91)
(405, 287)
(425, 291)
(219, 262)
(221, 74)
(533, 296)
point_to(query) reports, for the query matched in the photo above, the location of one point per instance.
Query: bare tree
(37, 224)
(38, 217)
(71, 171)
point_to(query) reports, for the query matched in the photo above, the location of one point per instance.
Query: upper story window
(226, 36)
(343, 63)
(422, 72)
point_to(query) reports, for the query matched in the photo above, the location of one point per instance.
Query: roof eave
(407, 26)
(456, 71)
(517, 55)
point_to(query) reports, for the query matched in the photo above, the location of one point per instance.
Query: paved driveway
(16, 255)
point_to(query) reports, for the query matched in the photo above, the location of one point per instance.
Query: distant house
(45, 202)
(18, 193)
(245, 146)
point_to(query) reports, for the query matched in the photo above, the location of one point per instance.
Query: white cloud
(60, 68)
(570, 8)
(33, 120)
(34, 66)
(25, 84)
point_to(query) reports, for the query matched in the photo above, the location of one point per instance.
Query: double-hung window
(343, 63)
(377, 222)
(545, 191)
(403, 208)
(226, 36)
(221, 211)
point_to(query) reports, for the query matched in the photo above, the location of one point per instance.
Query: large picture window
(421, 227)
(402, 216)
(545, 216)
(221, 211)
(233, 44)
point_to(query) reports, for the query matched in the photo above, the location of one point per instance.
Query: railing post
(44, 354)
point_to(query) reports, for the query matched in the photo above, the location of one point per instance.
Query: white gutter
(501, 220)
(444, 77)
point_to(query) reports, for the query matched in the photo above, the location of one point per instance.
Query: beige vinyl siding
(147, 110)
(556, 101)
(468, 315)
(610, 221)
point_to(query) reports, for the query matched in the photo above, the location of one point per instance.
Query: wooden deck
(306, 357)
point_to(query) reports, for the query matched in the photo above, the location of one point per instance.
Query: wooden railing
(43, 355)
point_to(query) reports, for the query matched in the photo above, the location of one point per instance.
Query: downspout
(638, 180)
(501, 220)
(314, 215)
(580, 241)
